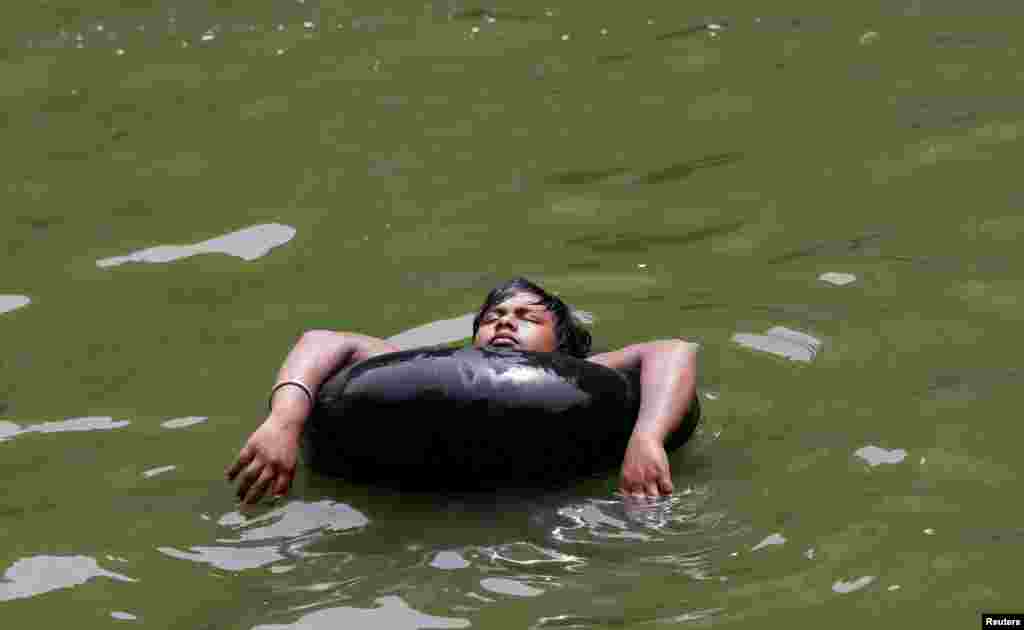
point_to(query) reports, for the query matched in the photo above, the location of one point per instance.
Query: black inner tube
(476, 418)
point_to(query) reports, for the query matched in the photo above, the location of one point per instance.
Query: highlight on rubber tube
(476, 418)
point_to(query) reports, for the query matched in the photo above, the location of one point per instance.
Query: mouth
(504, 341)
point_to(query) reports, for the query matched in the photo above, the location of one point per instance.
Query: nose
(508, 320)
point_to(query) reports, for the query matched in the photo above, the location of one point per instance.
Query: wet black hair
(573, 339)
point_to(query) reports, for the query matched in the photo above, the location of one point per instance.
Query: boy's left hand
(645, 470)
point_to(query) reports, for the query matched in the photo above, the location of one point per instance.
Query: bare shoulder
(631, 355)
(364, 346)
(368, 346)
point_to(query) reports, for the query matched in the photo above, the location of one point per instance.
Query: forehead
(521, 300)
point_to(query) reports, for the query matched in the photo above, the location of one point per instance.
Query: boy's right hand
(267, 462)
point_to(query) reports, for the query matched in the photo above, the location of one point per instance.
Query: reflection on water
(227, 558)
(11, 302)
(122, 615)
(875, 456)
(837, 278)
(9, 430)
(853, 585)
(153, 472)
(526, 554)
(595, 524)
(774, 539)
(248, 244)
(293, 519)
(392, 613)
(291, 527)
(448, 560)
(505, 586)
(604, 521)
(781, 341)
(40, 574)
(181, 423)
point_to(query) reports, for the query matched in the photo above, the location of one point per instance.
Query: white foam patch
(124, 616)
(10, 429)
(876, 456)
(837, 278)
(294, 519)
(248, 244)
(11, 302)
(227, 558)
(506, 586)
(449, 560)
(41, 574)
(783, 342)
(591, 523)
(774, 539)
(528, 554)
(392, 613)
(855, 585)
(153, 472)
(181, 423)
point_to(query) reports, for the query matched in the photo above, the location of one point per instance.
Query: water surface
(825, 198)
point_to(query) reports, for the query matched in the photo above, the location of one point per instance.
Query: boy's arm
(267, 461)
(317, 355)
(668, 382)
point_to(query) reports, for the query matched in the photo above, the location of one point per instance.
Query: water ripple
(600, 521)
(11, 302)
(791, 344)
(392, 613)
(9, 430)
(248, 244)
(876, 456)
(294, 519)
(40, 574)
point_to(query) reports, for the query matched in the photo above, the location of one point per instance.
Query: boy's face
(518, 323)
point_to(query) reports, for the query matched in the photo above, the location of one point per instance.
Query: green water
(677, 169)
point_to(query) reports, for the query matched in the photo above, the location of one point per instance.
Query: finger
(249, 477)
(627, 488)
(652, 489)
(244, 457)
(258, 488)
(281, 485)
(666, 485)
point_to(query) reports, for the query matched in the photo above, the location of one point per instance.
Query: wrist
(287, 418)
(641, 434)
(291, 384)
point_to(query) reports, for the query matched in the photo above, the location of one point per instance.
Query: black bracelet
(302, 386)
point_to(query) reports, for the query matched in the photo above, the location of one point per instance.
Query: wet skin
(518, 322)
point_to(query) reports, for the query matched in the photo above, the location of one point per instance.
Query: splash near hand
(645, 469)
